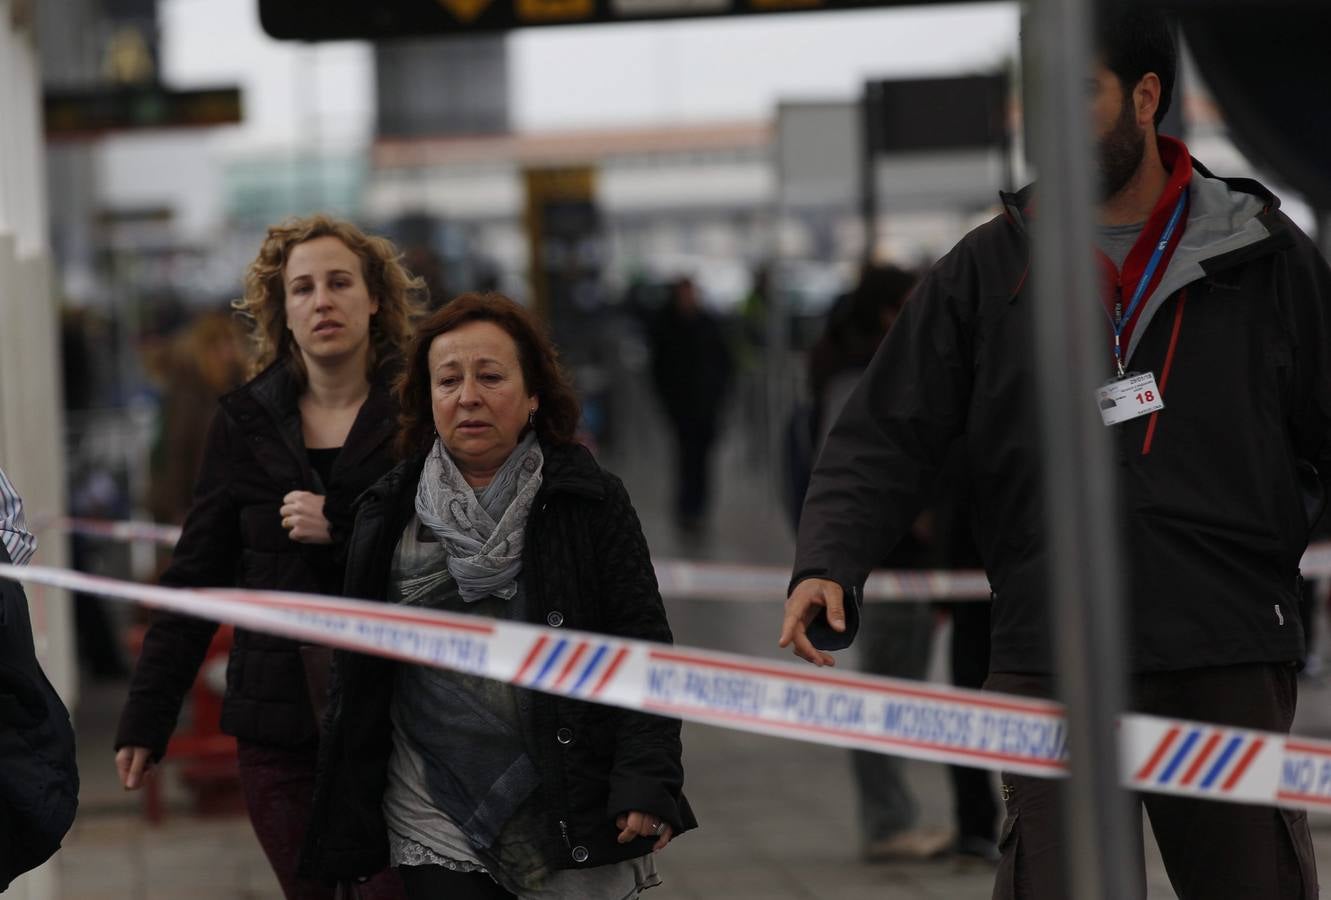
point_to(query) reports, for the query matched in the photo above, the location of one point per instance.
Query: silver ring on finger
(657, 830)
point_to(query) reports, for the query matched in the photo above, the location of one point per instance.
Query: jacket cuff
(136, 729)
(644, 795)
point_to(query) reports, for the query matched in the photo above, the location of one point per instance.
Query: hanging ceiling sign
(335, 20)
(91, 112)
(332, 20)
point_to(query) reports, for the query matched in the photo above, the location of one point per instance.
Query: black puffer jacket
(585, 566)
(233, 537)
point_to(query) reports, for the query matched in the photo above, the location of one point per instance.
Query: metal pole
(871, 107)
(1081, 503)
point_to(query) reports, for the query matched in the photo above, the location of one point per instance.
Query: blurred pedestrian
(1217, 304)
(474, 788)
(692, 369)
(896, 638)
(201, 364)
(39, 779)
(286, 455)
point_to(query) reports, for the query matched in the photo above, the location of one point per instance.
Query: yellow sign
(128, 59)
(465, 10)
(549, 243)
(555, 10)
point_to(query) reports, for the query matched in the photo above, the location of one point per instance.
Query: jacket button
(564, 735)
(555, 619)
(580, 854)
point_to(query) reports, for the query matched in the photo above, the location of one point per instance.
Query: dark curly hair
(558, 412)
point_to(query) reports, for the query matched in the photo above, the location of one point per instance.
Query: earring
(531, 417)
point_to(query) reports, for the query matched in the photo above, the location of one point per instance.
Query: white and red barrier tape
(705, 580)
(682, 579)
(903, 718)
(118, 530)
(763, 584)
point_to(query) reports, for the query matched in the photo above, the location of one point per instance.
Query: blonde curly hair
(400, 294)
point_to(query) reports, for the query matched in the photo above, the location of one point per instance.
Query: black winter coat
(39, 779)
(585, 566)
(1215, 495)
(233, 537)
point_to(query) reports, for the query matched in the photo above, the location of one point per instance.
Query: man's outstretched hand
(802, 606)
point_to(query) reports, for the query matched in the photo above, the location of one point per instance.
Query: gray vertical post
(871, 112)
(1081, 506)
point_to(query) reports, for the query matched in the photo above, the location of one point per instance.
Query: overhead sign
(336, 20)
(89, 112)
(465, 10)
(926, 114)
(333, 20)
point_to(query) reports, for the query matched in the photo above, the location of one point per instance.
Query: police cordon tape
(680, 579)
(902, 718)
(686, 579)
(114, 529)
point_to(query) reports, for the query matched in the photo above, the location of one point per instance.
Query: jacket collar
(1230, 221)
(270, 403)
(375, 424)
(1019, 206)
(571, 469)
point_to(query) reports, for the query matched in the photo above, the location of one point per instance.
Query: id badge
(1129, 397)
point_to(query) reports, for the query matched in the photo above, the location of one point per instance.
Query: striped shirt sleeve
(19, 542)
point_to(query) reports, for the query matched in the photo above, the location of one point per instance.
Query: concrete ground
(777, 816)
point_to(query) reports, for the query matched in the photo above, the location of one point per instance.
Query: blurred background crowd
(718, 221)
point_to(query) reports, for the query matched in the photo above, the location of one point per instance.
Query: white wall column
(31, 420)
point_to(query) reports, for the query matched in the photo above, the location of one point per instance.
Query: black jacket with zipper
(233, 537)
(585, 566)
(1215, 494)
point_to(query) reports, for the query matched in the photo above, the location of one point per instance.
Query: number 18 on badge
(1124, 399)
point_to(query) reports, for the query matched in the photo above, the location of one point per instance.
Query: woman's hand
(640, 824)
(133, 763)
(303, 518)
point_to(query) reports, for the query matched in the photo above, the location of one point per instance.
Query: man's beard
(1120, 152)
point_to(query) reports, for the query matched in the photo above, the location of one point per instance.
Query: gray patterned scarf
(481, 529)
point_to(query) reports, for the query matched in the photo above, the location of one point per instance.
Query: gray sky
(656, 73)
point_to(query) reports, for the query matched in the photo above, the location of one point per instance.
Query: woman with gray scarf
(475, 788)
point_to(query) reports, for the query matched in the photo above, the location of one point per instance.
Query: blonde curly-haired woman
(287, 453)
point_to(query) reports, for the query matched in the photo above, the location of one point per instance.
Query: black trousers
(1211, 850)
(442, 883)
(694, 436)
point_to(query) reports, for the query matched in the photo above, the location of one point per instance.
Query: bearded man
(1217, 395)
